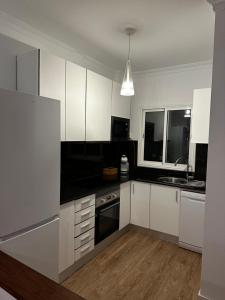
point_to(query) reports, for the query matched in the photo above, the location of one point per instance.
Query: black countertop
(75, 192)
(181, 186)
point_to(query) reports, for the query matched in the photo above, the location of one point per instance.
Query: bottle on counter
(124, 167)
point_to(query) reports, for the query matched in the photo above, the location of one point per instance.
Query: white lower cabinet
(84, 238)
(66, 236)
(76, 231)
(83, 250)
(164, 209)
(84, 203)
(84, 214)
(84, 226)
(124, 204)
(140, 198)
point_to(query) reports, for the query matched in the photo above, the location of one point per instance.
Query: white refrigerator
(30, 180)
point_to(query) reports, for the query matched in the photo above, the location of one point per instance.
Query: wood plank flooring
(138, 266)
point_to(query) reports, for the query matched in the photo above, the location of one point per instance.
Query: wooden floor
(138, 266)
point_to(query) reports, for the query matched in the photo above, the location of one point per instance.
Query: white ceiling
(170, 32)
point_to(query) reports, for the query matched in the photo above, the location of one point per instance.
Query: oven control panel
(107, 198)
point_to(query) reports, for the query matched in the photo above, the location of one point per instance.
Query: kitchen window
(165, 140)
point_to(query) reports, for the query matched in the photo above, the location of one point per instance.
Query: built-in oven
(107, 212)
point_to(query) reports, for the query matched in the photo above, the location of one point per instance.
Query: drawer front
(84, 238)
(84, 203)
(83, 250)
(84, 226)
(84, 214)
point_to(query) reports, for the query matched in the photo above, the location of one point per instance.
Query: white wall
(213, 263)
(9, 48)
(23, 32)
(167, 87)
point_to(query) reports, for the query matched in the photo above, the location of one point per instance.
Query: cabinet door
(124, 204)
(192, 233)
(164, 209)
(120, 104)
(98, 107)
(140, 194)
(201, 116)
(52, 82)
(66, 236)
(75, 102)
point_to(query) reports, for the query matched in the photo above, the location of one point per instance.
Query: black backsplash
(82, 164)
(154, 173)
(200, 167)
(201, 161)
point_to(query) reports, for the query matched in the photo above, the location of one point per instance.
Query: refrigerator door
(29, 160)
(37, 248)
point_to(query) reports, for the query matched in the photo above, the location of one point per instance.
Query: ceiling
(169, 32)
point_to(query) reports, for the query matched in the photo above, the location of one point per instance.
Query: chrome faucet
(177, 161)
(189, 167)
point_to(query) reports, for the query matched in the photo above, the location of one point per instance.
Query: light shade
(127, 88)
(187, 113)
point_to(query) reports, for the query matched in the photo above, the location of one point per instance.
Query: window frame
(164, 164)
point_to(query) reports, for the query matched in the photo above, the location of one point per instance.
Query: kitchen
(121, 177)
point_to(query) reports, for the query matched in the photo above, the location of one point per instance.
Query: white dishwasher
(191, 224)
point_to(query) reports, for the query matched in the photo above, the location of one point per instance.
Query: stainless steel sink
(173, 180)
(196, 184)
(183, 181)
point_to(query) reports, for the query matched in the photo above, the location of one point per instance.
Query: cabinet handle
(86, 225)
(85, 237)
(85, 214)
(133, 188)
(85, 249)
(85, 202)
(177, 196)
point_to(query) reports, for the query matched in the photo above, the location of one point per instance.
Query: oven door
(106, 220)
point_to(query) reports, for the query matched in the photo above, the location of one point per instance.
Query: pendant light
(187, 113)
(127, 88)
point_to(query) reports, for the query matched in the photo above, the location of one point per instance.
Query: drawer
(84, 238)
(84, 214)
(83, 250)
(84, 202)
(84, 226)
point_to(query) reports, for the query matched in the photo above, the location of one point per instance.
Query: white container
(124, 167)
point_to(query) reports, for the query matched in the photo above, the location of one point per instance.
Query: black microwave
(120, 129)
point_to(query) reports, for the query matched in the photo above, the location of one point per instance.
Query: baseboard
(159, 235)
(190, 247)
(200, 297)
(98, 248)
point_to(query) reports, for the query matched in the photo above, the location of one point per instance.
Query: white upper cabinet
(124, 204)
(164, 209)
(41, 73)
(140, 196)
(201, 116)
(75, 102)
(52, 82)
(98, 107)
(120, 104)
